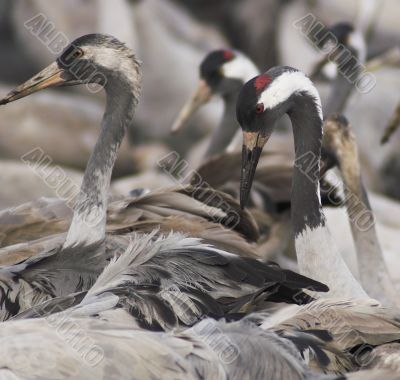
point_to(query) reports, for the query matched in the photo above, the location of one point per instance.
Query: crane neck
(343, 86)
(307, 132)
(317, 254)
(223, 134)
(90, 209)
(340, 93)
(374, 274)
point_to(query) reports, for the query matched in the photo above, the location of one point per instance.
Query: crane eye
(259, 108)
(77, 53)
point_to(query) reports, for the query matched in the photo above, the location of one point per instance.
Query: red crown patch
(261, 82)
(228, 55)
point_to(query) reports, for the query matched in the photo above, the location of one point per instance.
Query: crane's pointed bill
(51, 76)
(200, 97)
(253, 143)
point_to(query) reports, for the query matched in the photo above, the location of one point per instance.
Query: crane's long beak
(253, 143)
(51, 76)
(200, 97)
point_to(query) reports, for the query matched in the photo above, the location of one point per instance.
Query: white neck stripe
(285, 85)
(240, 67)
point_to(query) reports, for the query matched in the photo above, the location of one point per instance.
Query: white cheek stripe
(108, 57)
(240, 67)
(287, 84)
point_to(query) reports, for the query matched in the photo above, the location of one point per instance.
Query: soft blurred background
(171, 37)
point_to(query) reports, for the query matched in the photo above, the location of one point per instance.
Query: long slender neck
(316, 252)
(374, 274)
(224, 133)
(89, 219)
(307, 131)
(340, 93)
(343, 86)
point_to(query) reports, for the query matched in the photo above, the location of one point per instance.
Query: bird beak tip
(51, 76)
(7, 99)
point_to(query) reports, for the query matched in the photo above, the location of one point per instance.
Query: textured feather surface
(166, 281)
(47, 275)
(66, 347)
(351, 323)
(191, 278)
(210, 233)
(16, 253)
(320, 351)
(185, 201)
(384, 357)
(34, 220)
(37, 220)
(47, 349)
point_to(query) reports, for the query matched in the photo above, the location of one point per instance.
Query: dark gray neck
(341, 91)
(317, 254)
(89, 220)
(307, 131)
(343, 86)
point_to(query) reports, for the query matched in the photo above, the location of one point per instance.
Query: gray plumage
(48, 275)
(86, 348)
(169, 281)
(355, 325)
(38, 226)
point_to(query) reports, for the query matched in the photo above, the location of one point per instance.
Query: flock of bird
(166, 284)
